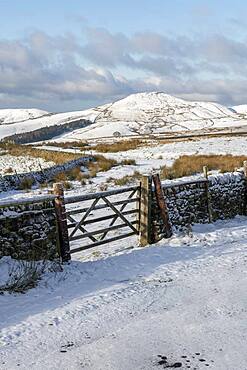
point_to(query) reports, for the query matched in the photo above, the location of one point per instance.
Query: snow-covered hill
(242, 109)
(40, 122)
(143, 113)
(10, 116)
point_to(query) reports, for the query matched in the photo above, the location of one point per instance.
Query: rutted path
(181, 303)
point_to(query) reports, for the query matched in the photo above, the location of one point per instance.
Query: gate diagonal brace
(119, 214)
(81, 228)
(84, 217)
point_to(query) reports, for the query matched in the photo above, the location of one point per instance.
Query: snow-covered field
(183, 299)
(11, 164)
(152, 157)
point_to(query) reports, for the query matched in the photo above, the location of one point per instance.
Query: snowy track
(184, 299)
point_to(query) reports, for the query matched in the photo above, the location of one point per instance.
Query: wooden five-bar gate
(90, 220)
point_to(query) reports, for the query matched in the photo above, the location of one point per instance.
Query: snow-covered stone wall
(11, 182)
(222, 196)
(29, 230)
(227, 195)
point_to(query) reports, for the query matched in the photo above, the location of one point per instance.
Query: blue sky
(61, 55)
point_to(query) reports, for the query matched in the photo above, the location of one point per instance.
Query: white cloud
(43, 68)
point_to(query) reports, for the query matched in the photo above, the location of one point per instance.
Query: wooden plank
(61, 222)
(101, 242)
(100, 231)
(103, 218)
(102, 206)
(80, 198)
(145, 229)
(161, 202)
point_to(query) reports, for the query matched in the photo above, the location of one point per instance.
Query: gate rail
(79, 219)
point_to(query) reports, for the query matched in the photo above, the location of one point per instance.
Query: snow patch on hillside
(242, 109)
(10, 116)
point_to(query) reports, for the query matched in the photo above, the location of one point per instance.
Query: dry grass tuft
(128, 162)
(126, 180)
(187, 165)
(120, 146)
(18, 150)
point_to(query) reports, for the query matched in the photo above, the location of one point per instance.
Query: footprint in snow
(194, 362)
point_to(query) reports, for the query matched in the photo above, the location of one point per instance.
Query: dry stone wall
(227, 195)
(29, 230)
(222, 196)
(11, 182)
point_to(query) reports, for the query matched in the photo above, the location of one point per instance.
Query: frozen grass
(187, 165)
(120, 146)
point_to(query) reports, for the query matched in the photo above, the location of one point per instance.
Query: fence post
(161, 202)
(145, 231)
(62, 222)
(210, 215)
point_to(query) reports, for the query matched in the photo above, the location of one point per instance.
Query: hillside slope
(241, 109)
(143, 113)
(10, 116)
(155, 112)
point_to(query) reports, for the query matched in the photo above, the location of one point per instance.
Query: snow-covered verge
(183, 299)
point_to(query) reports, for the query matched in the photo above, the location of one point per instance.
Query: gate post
(60, 210)
(162, 206)
(145, 230)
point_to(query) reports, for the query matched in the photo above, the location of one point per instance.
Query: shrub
(8, 170)
(67, 185)
(26, 183)
(18, 150)
(24, 275)
(128, 162)
(127, 179)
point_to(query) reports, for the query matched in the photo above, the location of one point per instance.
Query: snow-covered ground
(152, 157)
(148, 159)
(183, 299)
(11, 164)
